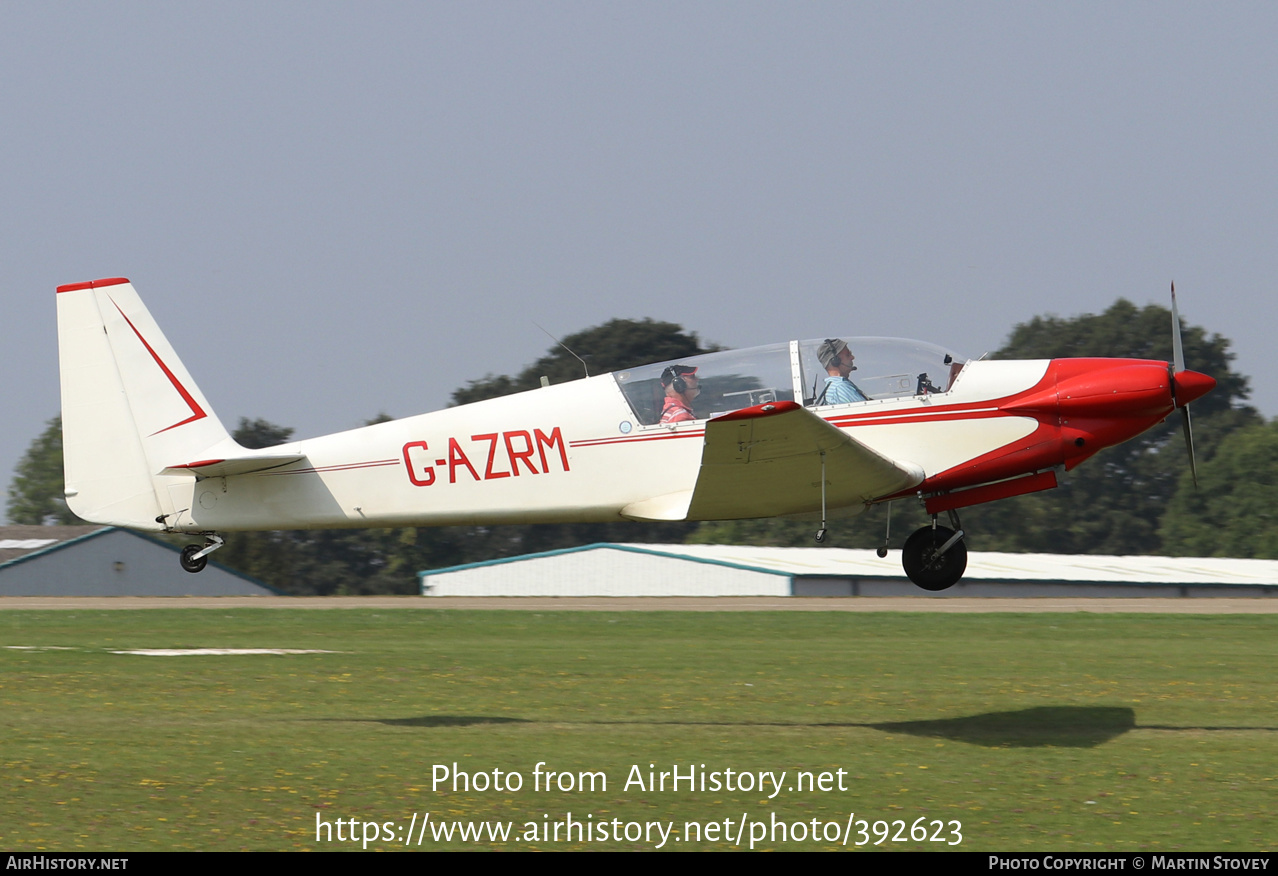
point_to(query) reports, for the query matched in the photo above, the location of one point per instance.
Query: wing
(765, 461)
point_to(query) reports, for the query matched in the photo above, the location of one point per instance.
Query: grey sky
(338, 209)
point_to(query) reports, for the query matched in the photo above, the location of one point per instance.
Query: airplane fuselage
(784, 429)
(574, 452)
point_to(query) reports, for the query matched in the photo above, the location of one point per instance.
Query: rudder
(129, 407)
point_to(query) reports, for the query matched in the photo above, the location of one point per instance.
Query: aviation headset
(673, 376)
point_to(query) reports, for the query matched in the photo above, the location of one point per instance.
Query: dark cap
(829, 352)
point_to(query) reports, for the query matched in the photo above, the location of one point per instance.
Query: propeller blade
(1187, 388)
(1178, 352)
(1189, 445)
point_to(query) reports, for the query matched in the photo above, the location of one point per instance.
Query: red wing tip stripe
(200, 462)
(349, 466)
(768, 409)
(93, 284)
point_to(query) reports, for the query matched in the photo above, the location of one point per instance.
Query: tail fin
(129, 407)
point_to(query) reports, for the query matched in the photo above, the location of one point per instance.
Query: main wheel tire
(190, 564)
(925, 567)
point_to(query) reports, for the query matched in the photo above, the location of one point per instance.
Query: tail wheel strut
(195, 557)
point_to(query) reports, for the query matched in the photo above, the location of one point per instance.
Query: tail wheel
(189, 562)
(927, 568)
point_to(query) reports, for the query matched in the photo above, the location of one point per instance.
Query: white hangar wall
(603, 570)
(742, 570)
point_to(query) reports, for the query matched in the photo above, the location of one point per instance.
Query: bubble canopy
(885, 368)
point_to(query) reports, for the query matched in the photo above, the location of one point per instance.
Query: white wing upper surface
(767, 461)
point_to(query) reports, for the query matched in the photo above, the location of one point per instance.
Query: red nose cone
(1191, 385)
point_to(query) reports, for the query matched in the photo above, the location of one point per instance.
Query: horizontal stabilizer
(222, 468)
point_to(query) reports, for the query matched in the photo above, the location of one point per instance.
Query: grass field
(1035, 732)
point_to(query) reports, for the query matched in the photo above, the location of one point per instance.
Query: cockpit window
(883, 368)
(725, 382)
(734, 379)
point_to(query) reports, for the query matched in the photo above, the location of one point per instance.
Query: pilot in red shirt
(680, 382)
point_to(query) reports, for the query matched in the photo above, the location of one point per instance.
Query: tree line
(1136, 498)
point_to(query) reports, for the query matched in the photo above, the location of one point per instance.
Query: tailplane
(129, 407)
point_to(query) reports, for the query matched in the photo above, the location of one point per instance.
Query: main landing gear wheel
(927, 568)
(193, 565)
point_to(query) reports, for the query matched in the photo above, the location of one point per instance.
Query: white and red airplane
(748, 433)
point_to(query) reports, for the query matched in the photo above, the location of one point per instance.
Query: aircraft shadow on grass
(1054, 726)
(1060, 726)
(450, 721)
(1041, 727)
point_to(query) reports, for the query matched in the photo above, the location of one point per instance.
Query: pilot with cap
(837, 361)
(680, 383)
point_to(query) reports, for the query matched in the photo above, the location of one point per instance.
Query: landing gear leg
(820, 533)
(935, 557)
(195, 557)
(887, 536)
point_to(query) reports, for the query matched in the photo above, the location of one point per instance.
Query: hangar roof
(981, 565)
(106, 561)
(20, 541)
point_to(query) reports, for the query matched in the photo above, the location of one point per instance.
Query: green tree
(614, 346)
(259, 434)
(299, 562)
(386, 561)
(1232, 513)
(1113, 503)
(323, 562)
(36, 492)
(270, 557)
